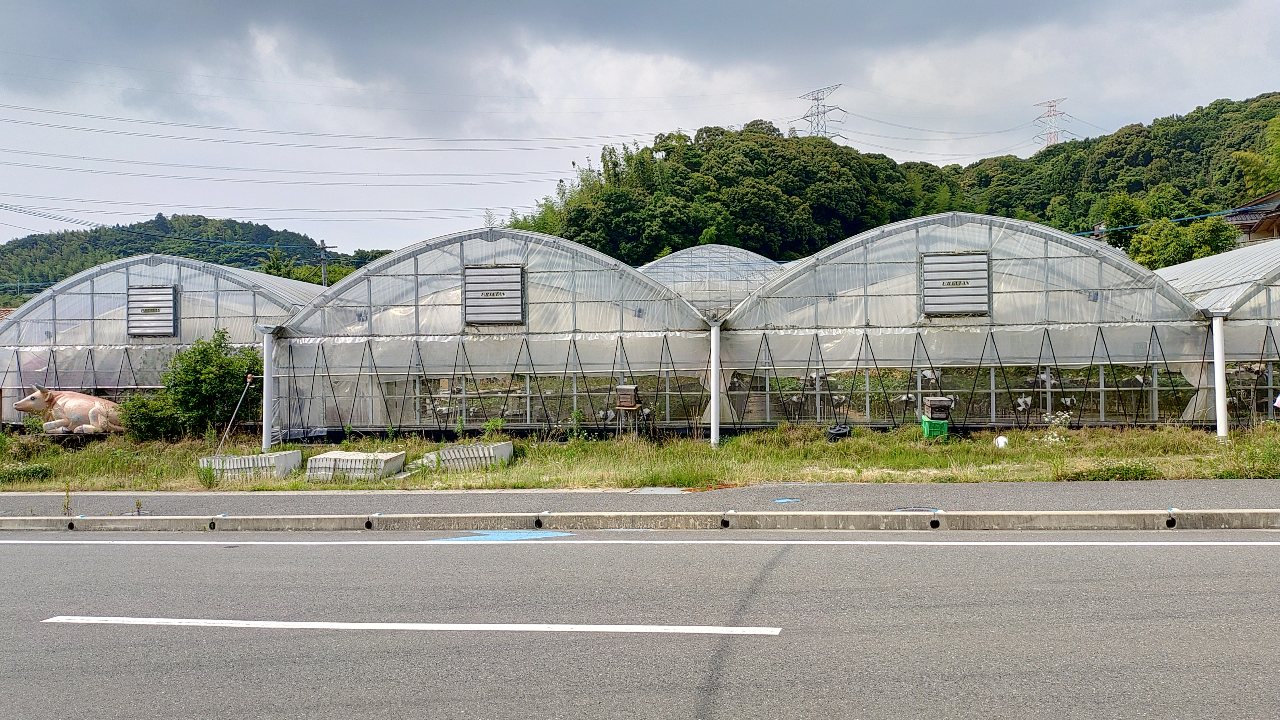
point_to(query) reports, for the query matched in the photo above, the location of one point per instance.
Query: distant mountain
(787, 197)
(31, 263)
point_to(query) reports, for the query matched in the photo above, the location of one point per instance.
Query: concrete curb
(914, 520)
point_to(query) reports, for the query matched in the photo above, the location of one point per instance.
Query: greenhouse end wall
(1055, 324)
(80, 334)
(397, 344)
(1242, 285)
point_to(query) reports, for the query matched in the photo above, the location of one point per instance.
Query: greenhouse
(1240, 289)
(713, 278)
(114, 327)
(491, 327)
(1015, 322)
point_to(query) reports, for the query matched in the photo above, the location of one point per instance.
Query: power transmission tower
(817, 115)
(1049, 121)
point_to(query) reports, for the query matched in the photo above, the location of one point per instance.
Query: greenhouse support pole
(268, 383)
(715, 384)
(1220, 376)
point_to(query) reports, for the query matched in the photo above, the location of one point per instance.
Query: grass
(789, 453)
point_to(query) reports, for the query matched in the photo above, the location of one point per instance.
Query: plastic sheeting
(1243, 285)
(1056, 299)
(74, 335)
(713, 278)
(388, 346)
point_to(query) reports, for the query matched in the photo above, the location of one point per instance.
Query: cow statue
(71, 412)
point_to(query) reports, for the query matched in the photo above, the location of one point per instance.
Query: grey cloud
(427, 46)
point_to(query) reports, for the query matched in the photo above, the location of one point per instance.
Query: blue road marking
(787, 500)
(504, 536)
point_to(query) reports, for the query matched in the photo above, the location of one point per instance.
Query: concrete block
(456, 521)
(143, 523)
(1056, 520)
(276, 464)
(266, 523)
(629, 521)
(831, 520)
(354, 465)
(34, 523)
(468, 457)
(1226, 519)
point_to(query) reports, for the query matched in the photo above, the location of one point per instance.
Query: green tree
(1164, 243)
(1121, 211)
(205, 382)
(277, 264)
(787, 196)
(1262, 169)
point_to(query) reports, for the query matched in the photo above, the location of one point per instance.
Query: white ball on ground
(1002, 442)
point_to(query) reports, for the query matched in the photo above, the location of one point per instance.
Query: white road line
(451, 543)
(419, 627)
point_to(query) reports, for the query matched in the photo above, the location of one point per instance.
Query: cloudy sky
(374, 125)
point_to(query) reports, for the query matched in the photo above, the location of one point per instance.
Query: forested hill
(33, 262)
(786, 197)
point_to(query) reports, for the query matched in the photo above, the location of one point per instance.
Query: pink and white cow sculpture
(71, 412)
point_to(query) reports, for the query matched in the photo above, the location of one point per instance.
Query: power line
(973, 133)
(305, 146)
(260, 181)
(958, 156)
(19, 227)
(1086, 122)
(21, 287)
(153, 205)
(957, 138)
(302, 133)
(287, 171)
(349, 217)
(1216, 213)
(133, 231)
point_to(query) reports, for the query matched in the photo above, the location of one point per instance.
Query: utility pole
(1049, 121)
(324, 264)
(817, 115)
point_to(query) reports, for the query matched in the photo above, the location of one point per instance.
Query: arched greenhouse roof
(565, 288)
(1038, 276)
(228, 297)
(1234, 283)
(713, 278)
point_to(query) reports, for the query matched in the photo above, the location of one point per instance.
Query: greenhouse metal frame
(1240, 290)
(489, 326)
(1014, 321)
(1017, 323)
(113, 328)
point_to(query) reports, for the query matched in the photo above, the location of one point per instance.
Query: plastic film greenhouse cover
(1053, 299)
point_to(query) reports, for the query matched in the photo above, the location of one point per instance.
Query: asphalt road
(1137, 625)
(1152, 495)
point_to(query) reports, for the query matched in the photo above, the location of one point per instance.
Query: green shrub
(33, 424)
(28, 447)
(493, 428)
(151, 416)
(34, 472)
(208, 477)
(205, 382)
